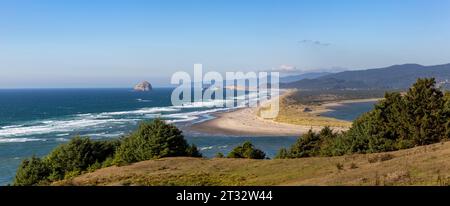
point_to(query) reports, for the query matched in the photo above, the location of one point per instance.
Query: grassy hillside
(425, 165)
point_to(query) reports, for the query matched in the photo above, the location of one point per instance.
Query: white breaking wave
(12, 126)
(206, 148)
(57, 126)
(105, 120)
(11, 140)
(143, 100)
(142, 111)
(190, 116)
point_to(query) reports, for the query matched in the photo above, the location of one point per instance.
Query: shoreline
(246, 122)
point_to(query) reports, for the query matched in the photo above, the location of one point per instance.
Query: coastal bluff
(143, 87)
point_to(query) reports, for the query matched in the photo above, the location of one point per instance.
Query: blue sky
(117, 43)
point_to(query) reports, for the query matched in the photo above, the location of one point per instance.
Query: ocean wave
(143, 100)
(14, 140)
(206, 148)
(190, 116)
(143, 111)
(45, 127)
(104, 120)
(209, 103)
(105, 134)
(61, 139)
(11, 126)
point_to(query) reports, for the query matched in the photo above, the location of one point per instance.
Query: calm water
(33, 122)
(350, 111)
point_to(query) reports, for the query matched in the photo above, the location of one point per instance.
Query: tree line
(418, 117)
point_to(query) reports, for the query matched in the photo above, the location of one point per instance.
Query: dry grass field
(425, 165)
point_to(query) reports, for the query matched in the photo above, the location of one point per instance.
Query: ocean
(34, 121)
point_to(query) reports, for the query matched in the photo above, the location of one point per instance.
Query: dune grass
(292, 112)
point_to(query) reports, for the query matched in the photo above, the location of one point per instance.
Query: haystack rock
(143, 87)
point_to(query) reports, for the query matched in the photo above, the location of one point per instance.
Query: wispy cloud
(285, 68)
(313, 42)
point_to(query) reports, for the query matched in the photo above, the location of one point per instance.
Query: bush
(283, 153)
(78, 155)
(152, 140)
(192, 151)
(311, 144)
(308, 145)
(31, 171)
(246, 150)
(219, 155)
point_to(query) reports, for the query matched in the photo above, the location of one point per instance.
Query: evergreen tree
(31, 172)
(154, 139)
(425, 110)
(246, 150)
(308, 145)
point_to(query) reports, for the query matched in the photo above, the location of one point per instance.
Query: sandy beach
(245, 121)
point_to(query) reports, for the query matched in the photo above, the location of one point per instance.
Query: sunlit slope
(426, 165)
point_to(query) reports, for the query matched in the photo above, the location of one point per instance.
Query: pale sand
(245, 121)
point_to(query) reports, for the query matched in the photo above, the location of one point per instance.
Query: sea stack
(143, 87)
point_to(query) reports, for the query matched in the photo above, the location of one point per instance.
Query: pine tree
(425, 103)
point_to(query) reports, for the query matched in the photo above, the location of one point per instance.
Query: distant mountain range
(393, 77)
(294, 78)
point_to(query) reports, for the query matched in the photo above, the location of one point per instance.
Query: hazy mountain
(393, 77)
(312, 75)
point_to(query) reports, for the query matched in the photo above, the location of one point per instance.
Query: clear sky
(118, 43)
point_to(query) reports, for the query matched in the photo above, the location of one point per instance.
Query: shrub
(154, 139)
(78, 155)
(31, 171)
(72, 174)
(308, 145)
(219, 155)
(283, 153)
(108, 162)
(311, 144)
(246, 150)
(192, 151)
(95, 166)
